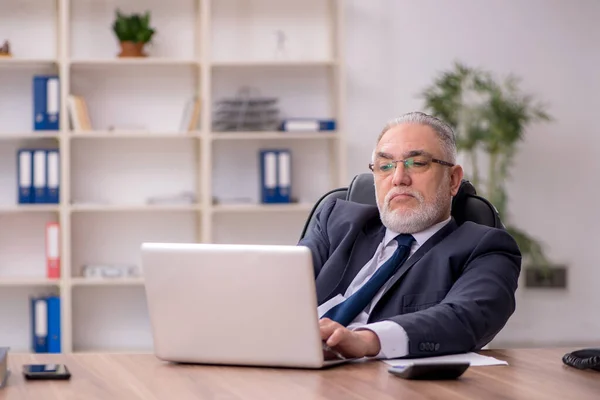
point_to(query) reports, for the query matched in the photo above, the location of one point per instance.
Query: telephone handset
(583, 359)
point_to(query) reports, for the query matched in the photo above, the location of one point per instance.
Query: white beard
(417, 219)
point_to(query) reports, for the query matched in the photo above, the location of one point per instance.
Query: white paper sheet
(475, 359)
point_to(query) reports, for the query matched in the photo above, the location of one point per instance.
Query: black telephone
(583, 359)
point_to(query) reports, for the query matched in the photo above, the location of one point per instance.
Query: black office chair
(466, 205)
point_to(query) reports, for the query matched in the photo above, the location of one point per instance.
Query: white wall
(394, 49)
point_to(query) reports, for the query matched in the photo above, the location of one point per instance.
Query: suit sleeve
(316, 239)
(477, 306)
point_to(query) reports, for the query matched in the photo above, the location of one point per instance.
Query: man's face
(413, 198)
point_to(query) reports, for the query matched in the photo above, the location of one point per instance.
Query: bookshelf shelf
(132, 135)
(27, 62)
(148, 61)
(262, 208)
(100, 350)
(272, 135)
(29, 135)
(24, 282)
(107, 281)
(28, 208)
(99, 208)
(138, 150)
(273, 63)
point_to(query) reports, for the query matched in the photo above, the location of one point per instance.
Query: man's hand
(350, 344)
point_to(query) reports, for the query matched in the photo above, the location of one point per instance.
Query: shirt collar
(420, 237)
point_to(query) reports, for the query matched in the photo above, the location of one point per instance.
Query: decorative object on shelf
(173, 199)
(489, 117)
(142, 129)
(4, 371)
(133, 32)
(280, 50)
(247, 111)
(111, 271)
(233, 200)
(5, 49)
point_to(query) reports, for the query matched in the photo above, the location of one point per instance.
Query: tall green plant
(490, 118)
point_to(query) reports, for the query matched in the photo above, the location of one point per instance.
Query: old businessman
(403, 278)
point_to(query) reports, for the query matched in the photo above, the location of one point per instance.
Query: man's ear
(456, 176)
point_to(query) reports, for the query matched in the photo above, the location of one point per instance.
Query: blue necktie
(346, 311)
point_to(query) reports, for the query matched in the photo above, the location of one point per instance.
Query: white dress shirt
(392, 337)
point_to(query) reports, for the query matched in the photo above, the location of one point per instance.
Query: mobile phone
(430, 371)
(46, 371)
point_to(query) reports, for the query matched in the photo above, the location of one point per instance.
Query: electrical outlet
(546, 277)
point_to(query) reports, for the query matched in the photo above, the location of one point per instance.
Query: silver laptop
(233, 304)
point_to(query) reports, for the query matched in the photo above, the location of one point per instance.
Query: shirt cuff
(392, 338)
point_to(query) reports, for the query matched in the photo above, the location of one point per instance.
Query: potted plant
(490, 118)
(5, 49)
(133, 32)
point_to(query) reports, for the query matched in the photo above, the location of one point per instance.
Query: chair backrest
(466, 205)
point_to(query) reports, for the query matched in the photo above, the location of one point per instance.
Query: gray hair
(441, 128)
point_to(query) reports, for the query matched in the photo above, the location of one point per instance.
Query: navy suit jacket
(452, 296)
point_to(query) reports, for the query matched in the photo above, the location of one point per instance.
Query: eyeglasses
(417, 164)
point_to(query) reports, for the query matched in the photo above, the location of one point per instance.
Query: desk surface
(531, 374)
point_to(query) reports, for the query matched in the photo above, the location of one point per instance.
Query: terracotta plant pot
(132, 49)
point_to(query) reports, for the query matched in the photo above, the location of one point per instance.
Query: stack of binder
(45, 324)
(275, 175)
(38, 176)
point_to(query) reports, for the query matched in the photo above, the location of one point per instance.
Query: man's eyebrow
(411, 153)
(387, 156)
(415, 153)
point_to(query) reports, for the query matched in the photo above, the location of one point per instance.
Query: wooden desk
(532, 374)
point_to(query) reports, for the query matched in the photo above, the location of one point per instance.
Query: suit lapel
(433, 240)
(363, 250)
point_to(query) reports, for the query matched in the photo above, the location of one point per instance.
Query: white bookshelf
(204, 48)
